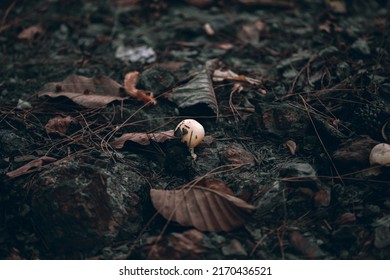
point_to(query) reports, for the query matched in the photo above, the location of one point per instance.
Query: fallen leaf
(237, 155)
(251, 33)
(322, 197)
(202, 208)
(32, 166)
(30, 32)
(142, 138)
(198, 92)
(346, 218)
(216, 185)
(222, 75)
(176, 246)
(130, 83)
(307, 247)
(291, 145)
(337, 6)
(93, 92)
(209, 30)
(188, 241)
(59, 125)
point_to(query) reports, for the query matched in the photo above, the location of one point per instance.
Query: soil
(290, 135)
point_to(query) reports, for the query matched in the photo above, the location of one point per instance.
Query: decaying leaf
(337, 6)
(221, 75)
(59, 125)
(198, 94)
(209, 30)
(30, 32)
(237, 155)
(251, 33)
(176, 246)
(291, 145)
(130, 83)
(216, 185)
(202, 208)
(32, 166)
(322, 197)
(93, 92)
(307, 247)
(142, 138)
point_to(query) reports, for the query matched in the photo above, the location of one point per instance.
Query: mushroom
(380, 155)
(191, 132)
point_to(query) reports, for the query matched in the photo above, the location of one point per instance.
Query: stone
(79, 207)
(298, 174)
(361, 46)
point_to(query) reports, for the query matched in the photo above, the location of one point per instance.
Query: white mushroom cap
(191, 132)
(380, 155)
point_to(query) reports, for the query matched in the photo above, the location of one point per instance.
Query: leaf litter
(93, 92)
(322, 81)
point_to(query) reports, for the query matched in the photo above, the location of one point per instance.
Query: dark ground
(324, 85)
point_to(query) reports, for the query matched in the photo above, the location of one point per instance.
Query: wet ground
(293, 96)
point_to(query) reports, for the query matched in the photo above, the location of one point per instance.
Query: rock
(360, 46)
(331, 50)
(11, 143)
(354, 153)
(343, 70)
(156, 79)
(382, 232)
(79, 207)
(299, 175)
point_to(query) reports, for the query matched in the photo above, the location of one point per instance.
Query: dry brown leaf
(202, 208)
(59, 125)
(30, 32)
(142, 138)
(130, 83)
(188, 242)
(221, 75)
(216, 185)
(32, 166)
(176, 246)
(337, 6)
(93, 92)
(292, 146)
(322, 197)
(307, 247)
(237, 155)
(251, 33)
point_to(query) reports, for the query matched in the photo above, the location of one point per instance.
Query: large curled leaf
(202, 208)
(142, 138)
(93, 92)
(198, 94)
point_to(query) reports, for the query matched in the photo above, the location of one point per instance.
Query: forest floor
(293, 96)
